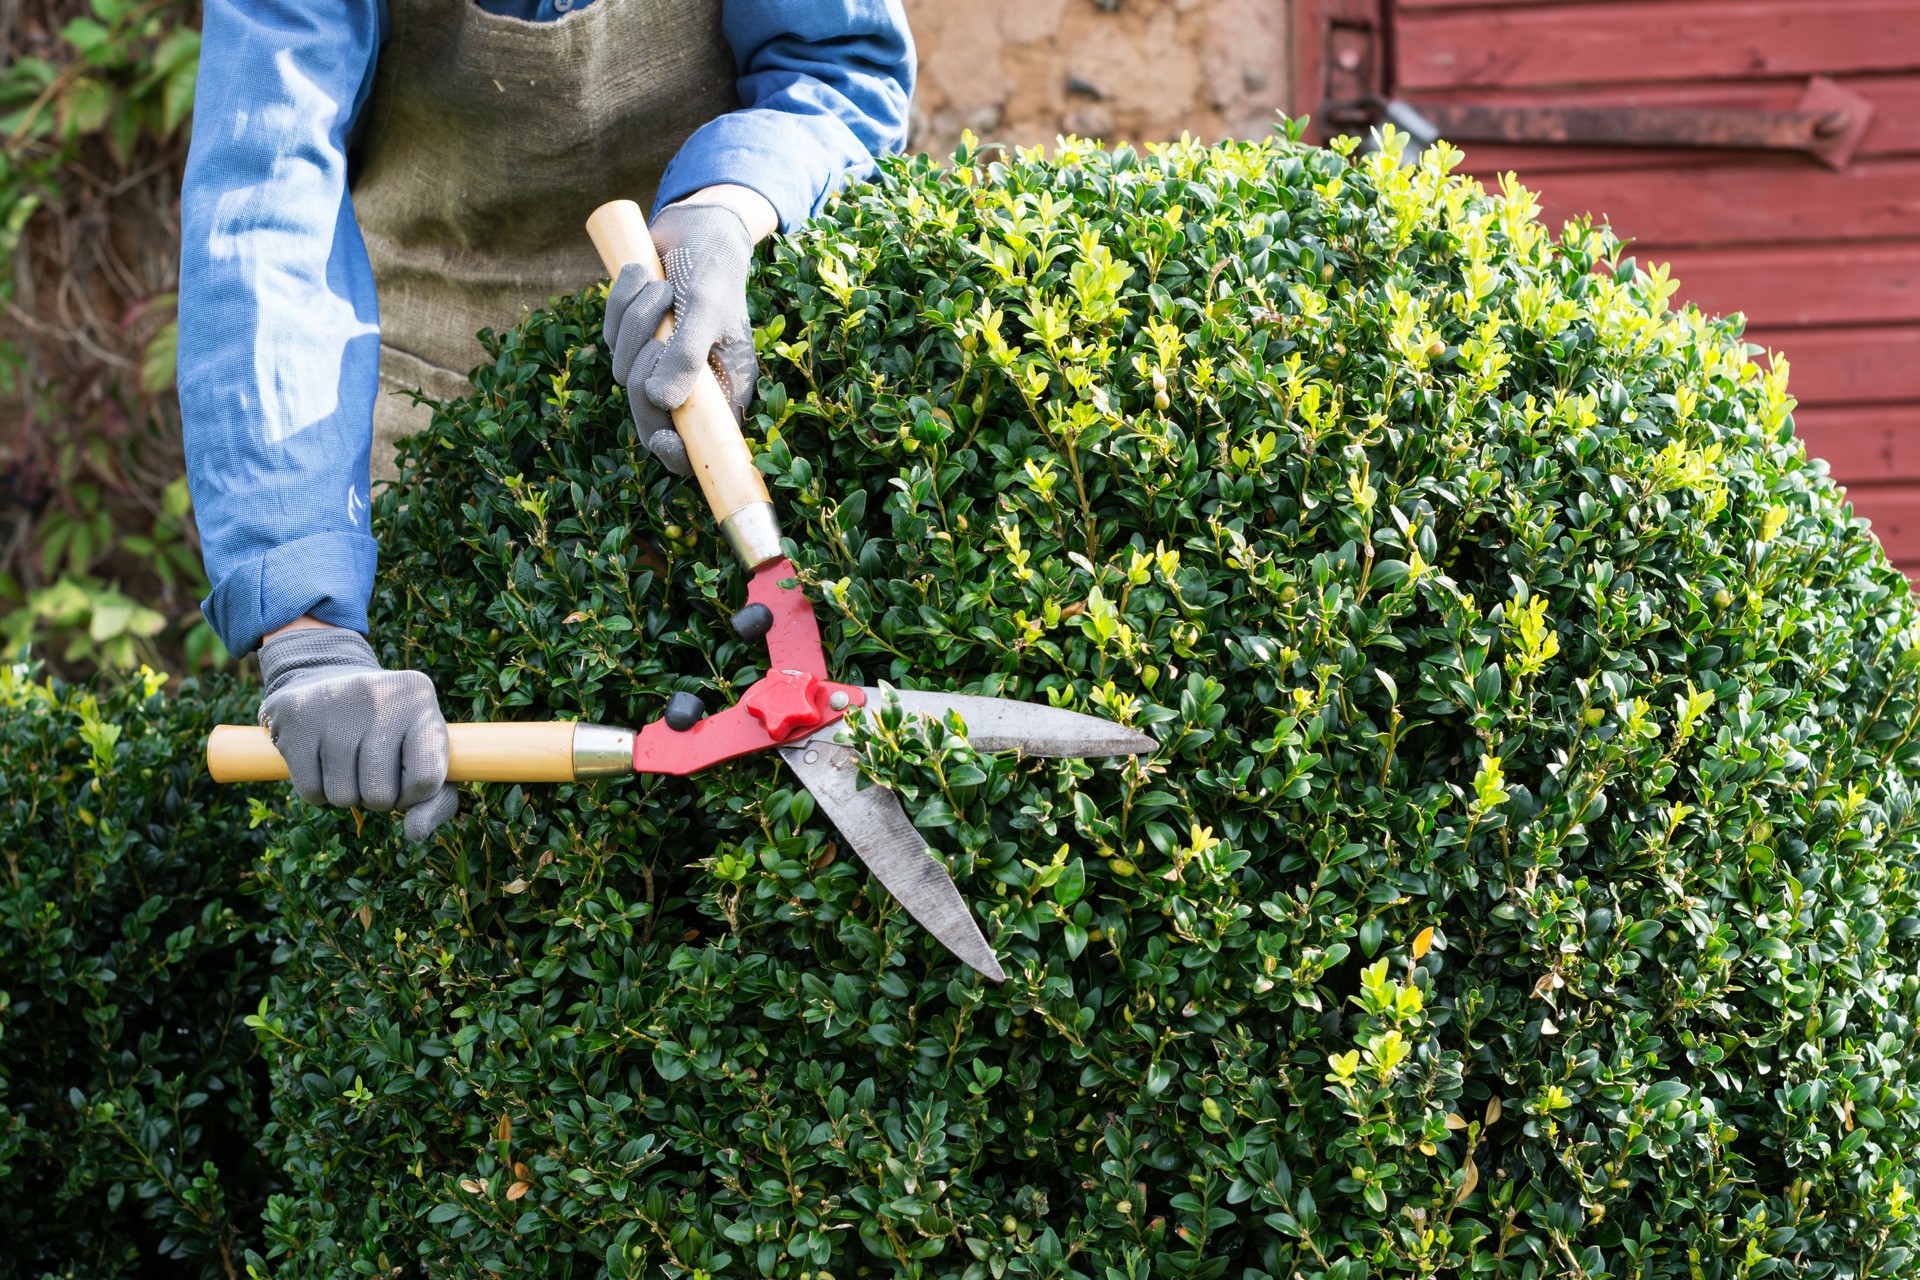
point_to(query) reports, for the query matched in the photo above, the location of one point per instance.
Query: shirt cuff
(711, 158)
(327, 575)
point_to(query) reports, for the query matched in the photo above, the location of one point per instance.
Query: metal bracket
(1340, 54)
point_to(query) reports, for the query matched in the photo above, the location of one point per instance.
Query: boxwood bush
(131, 1093)
(1522, 888)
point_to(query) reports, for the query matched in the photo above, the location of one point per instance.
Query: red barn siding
(1824, 264)
(1626, 43)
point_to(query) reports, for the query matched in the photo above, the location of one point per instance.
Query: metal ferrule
(754, 534)
(601, 751)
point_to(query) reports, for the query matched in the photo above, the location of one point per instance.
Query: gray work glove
(354, 733)
(707, 251)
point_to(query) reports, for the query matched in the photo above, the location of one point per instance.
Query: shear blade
(877, 827)
(1008, 724)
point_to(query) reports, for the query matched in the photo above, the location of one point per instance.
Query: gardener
(450, 150)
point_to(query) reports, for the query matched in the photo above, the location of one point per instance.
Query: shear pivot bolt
(786, 703)
(753, 622)
(838, 701)
(684, 710)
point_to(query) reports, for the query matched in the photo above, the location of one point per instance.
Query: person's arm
(824, 87)
(279, 361)
(279, 334)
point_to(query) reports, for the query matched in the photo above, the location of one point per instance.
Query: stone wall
(1022, 71)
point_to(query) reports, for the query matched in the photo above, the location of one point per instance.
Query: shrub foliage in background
(99, 562)
(130, 1090)
(1523, 886)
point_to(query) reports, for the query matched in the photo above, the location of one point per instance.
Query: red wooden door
(1820, 251)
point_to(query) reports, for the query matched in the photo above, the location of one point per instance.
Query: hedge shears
(795, 708)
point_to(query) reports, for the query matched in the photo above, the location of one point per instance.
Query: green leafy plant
(130, 1090)
(1523, 886)
(121, 74)
(95, 98)
(103, 626)
(93, 625)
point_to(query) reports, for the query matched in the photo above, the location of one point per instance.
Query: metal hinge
(1827, 124)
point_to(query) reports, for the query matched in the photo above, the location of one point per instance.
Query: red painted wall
(1825, 264)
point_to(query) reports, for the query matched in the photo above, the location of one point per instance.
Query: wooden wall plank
(1798, 285)
(1517, 4)
(1872, 444)
(1894, 513)
(1762, 201)
(1848, 366)
(1628, 42)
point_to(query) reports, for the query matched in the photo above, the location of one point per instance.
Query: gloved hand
(354, 733)
(707, 251)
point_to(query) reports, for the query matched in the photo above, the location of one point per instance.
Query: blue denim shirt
(279, 327)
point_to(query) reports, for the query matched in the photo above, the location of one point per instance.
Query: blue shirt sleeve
(279, 331)
(279, 328)
(824, 87)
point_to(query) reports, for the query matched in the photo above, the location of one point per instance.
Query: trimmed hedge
(131, 1093)
(1523, 887)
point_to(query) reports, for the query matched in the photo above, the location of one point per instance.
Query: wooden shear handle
(485, 751)
(735, 492)
(566, 752)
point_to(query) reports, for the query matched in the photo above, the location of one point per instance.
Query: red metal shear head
(794, 698)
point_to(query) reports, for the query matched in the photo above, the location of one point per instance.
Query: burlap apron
(486, 143)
